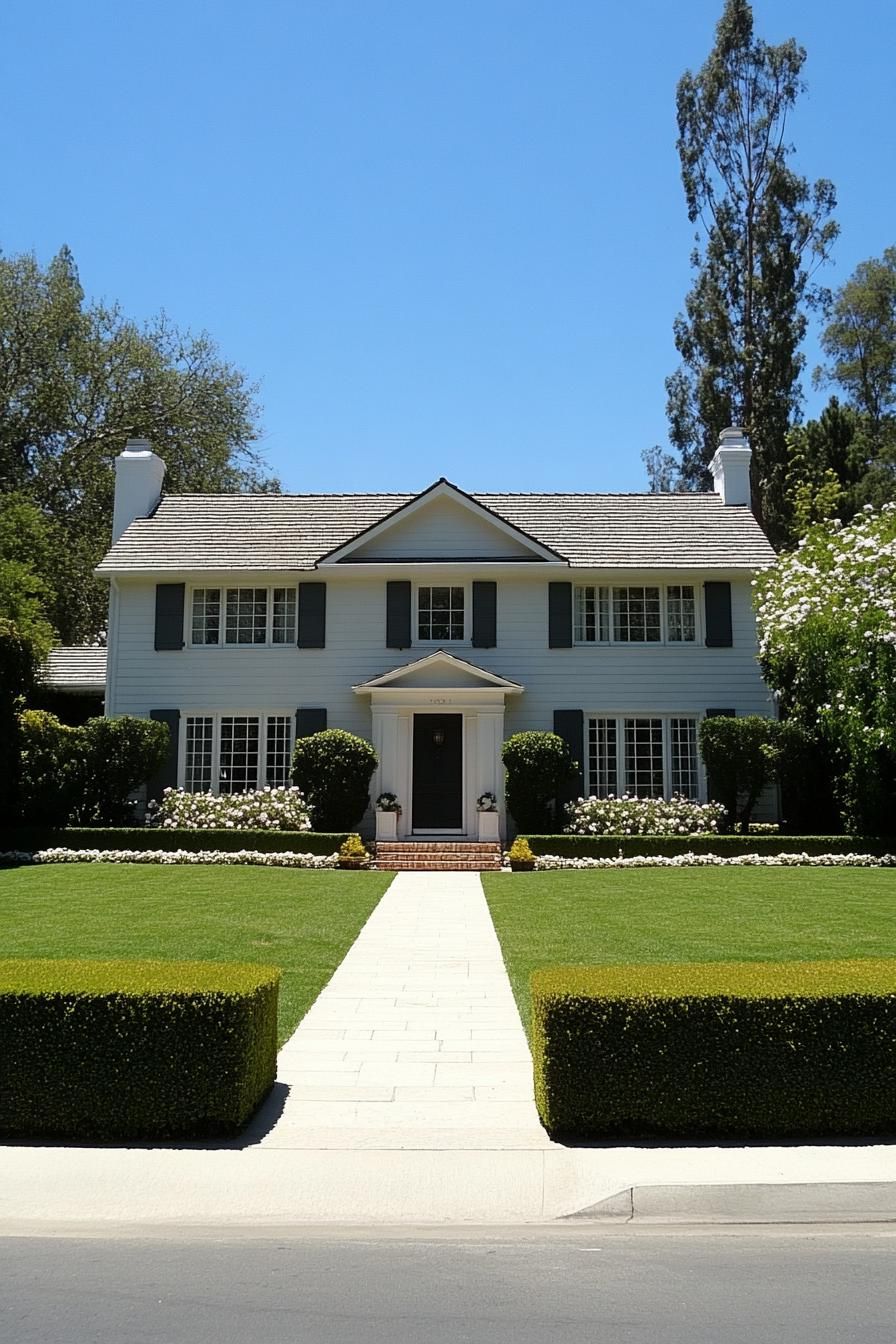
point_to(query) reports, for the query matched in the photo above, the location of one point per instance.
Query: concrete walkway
(405, 1096)
(416, 1041)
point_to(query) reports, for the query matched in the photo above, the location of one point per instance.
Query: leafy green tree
(333, 769)
(826, 616)
(77, 379)
(662, 470)
(540, 770)
(762, 230)
(741, 756)
(860, 340)
(18, 668)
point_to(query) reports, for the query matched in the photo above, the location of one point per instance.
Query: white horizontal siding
(442, 528)
(617, 678)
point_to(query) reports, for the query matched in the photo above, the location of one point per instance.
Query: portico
(437, 725)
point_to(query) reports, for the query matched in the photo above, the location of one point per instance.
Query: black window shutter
(166, 776)
(310, 721)
(717, 602)
(312, 615)
(560, 616)
(169, 616)
(485, 615)
(398, 614)
(570, 725)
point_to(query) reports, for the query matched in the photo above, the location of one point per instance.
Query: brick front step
(438, 856)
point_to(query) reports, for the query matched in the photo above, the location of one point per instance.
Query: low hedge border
(134, 1050)
(633, 846)
(30, 839)
(749, 1050)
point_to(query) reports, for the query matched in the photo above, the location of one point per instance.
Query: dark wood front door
(437, 803)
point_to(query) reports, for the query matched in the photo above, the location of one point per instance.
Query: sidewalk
(405, 1096)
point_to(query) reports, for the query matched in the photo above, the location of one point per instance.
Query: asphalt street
(566, 1286)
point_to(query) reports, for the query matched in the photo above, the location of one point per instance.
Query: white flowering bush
(261, 810)
(545, 863)
(643, 816)
(826, 616)
(229, 858)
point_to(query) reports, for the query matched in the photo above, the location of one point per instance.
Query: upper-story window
(635, 614)
(440, 614)
(241, 616)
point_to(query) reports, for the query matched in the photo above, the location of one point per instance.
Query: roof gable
(442, 523)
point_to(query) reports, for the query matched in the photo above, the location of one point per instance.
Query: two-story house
(435, 625)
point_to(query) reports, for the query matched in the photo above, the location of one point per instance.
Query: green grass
(697, 914)
(303, 922)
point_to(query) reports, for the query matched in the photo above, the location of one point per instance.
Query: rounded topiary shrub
(539, 771)
(333, 769)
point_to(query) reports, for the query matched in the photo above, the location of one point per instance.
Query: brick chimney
(138, 484)
(731, 467)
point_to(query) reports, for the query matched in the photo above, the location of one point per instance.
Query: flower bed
(547, 863)
(643, 816)
(260, 809)
(220, 856)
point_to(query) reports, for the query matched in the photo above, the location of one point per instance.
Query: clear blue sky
(446, 236)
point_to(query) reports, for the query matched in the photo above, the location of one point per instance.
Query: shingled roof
(75, 669)
(293, 532)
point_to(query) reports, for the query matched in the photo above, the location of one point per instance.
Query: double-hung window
(243, 616)
(634, 614)
(440, 614)
(235, 753)
(651, 756)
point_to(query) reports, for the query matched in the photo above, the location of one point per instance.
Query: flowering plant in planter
(387, 802)
(486, 802)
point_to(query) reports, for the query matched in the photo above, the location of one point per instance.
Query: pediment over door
(440, 671)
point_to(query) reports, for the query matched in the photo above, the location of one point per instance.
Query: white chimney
(731, 467)
(138, 484)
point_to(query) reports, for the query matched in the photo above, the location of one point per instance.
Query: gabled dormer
(442, 524)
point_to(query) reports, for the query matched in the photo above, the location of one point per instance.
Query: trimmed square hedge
(134, 1050)
(767, 1050)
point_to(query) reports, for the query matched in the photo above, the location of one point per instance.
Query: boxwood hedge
(753, 1050)
(134, 1050)
(31, 838)
(628, 846)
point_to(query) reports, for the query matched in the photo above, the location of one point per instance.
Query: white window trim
(468, 617)
(620, 715)
(664, 640)
(222, 617)
(216, 715)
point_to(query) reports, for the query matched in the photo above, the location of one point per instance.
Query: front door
(437, 801)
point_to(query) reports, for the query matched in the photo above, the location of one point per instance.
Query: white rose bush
(281, 809)
(643, 816)
(546, 863)
(826, 617)
(228, 858)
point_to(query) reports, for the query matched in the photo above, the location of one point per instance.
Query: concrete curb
(821, 1202)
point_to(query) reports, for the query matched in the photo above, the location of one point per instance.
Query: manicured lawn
(303, 922)
(698, 914)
